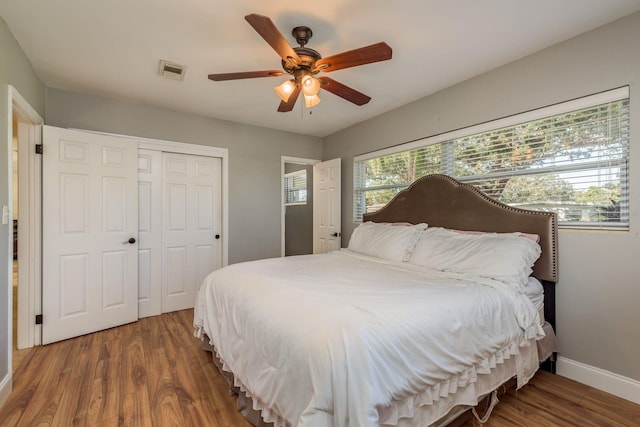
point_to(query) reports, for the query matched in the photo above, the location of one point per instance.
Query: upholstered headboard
(441, 201)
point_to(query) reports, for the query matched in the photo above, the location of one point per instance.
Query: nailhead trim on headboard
(411, 205)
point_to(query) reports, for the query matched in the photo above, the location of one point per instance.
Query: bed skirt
(244, 405)
(546, 348)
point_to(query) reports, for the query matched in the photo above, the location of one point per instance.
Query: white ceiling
(113, 47)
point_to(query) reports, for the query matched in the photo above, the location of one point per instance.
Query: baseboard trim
(610, 382)
(5, 388)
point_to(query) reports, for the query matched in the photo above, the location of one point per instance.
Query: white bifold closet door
(191, 226)
(149, 233)
(179, 226)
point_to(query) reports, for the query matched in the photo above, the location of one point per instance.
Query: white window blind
(571, 158)
(381, 178)
(295, 188)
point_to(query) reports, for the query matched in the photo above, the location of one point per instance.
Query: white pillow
(507, 257)
(386, 240)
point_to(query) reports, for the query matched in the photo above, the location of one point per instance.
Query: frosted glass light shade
(285, 89)
(310, 86)
(311, 101)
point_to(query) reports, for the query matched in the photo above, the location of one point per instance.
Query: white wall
(599, 290)
(254, 158)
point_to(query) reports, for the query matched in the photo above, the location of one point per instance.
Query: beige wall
(599, 290)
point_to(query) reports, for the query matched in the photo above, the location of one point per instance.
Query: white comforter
(345, 340)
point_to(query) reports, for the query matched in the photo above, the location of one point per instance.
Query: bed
(428, 310)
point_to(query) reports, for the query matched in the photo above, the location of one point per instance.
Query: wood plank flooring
(149, 373)
(154, 373)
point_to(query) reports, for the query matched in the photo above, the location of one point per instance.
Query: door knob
(336, 234)
(217, 236)
(131, 241)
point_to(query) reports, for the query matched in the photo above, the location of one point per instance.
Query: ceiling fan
(303, 64)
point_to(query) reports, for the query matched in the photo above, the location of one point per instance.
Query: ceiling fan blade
(270, 33)
(343, 91)
(288, 105)
(245, 75)
(364, 55)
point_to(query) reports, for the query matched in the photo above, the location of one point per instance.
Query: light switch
(5, 215)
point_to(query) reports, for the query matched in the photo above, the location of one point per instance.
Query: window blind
(295, 187)
(573, 162)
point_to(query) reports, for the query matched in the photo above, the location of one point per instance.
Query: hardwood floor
(149, 373)
(552, 400)
(154, 373)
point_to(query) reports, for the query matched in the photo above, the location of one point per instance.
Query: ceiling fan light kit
(285, 89)
(310, 85)
(303, 64)
(311, 101)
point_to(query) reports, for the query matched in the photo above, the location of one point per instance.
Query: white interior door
(149, 233)
(89, 232)
(191, 218)
(326, 206)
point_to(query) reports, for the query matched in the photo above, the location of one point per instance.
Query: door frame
(283, 208)
(30, 213)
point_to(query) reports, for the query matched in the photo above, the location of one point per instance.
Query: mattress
(343, 339)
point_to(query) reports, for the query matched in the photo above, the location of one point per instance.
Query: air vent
(171, 70)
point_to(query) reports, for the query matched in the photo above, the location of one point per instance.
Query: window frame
(447, 159)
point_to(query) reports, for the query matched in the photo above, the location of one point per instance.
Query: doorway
(15, 200)
(297, 206)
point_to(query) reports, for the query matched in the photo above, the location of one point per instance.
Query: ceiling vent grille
(171, 70)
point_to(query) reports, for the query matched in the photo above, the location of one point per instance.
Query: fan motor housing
(308, 58)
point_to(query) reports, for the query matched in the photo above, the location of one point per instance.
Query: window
(570, 158)
(295, 188)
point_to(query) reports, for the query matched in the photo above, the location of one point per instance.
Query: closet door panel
(191, 248)
(149, 233)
